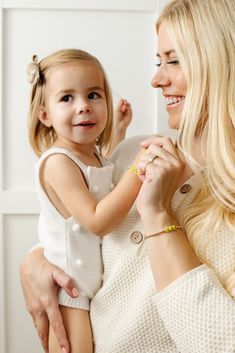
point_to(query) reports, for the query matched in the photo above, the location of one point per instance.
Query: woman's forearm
(170, 254)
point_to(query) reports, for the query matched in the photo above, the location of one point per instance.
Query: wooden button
(136, 237)
(185, 188)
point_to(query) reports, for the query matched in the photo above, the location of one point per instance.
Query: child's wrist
(133, 169)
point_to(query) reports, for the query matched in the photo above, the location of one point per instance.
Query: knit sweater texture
(194, 314)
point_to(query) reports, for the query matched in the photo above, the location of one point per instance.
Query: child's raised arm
(64, 184)
(122, 116)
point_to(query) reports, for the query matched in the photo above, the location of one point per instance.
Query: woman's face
(170, 78)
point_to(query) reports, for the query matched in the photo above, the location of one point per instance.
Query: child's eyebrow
(95, 88)
(72, 90)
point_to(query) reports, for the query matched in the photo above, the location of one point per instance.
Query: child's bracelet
(167, 229)
(133, 169)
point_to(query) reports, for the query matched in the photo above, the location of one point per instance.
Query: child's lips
(85, 123)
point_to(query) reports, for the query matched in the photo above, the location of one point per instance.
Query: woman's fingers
(46, 312)
(65, 281)
(40, 282)
(57, 326)
(41, 324)
(164, 152)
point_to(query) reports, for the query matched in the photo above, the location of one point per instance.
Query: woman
(185, 302)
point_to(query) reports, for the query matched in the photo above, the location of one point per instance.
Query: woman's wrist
(156, 221)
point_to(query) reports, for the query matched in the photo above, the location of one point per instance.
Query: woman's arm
(170, 254)
(60, 175)
(40, 281)
(198, 313)
(195, 308)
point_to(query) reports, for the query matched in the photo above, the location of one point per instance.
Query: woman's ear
(44, 117)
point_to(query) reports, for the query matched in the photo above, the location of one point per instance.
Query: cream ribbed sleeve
(198, 313)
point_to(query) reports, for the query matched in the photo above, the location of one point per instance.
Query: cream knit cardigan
(194, 314)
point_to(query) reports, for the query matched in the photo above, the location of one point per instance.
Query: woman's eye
(67, 98)
(173, 62)
(93, 95)
(158, 64)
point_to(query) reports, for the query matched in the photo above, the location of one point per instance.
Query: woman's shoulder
(128, 148)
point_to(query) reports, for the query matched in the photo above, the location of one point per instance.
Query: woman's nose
(161, 78)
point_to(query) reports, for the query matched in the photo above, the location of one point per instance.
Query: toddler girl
(70, 121)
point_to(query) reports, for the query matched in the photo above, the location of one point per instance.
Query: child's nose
(83, 107)
(84, 110)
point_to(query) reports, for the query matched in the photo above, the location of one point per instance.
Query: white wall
(122, 35)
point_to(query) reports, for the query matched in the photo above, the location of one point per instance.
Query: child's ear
(44, 118)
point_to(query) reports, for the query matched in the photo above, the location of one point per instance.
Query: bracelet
(167, 229)
(133, 169)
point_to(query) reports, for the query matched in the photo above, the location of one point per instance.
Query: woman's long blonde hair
(42, 137)
(204, 38)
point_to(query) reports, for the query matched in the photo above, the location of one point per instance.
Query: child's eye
(67, 98)
(93, 95)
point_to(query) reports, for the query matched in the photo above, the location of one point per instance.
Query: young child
(70, 121)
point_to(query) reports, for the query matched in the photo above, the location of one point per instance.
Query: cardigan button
(136, 237)
(185, 188)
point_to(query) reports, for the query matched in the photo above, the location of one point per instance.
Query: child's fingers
(164, 142)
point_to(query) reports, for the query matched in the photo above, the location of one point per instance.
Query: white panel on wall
(19, 236)
(124, 5)
(124, 43)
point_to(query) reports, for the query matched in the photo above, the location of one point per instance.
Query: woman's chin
(173, 123)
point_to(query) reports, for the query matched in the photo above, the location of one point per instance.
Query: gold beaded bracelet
(133, 169)
(167, 229)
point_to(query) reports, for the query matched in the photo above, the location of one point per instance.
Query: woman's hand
(160, 169)
(40, 281)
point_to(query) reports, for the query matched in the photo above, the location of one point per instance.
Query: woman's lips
(173, 101)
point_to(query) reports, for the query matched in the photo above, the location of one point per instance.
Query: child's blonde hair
(42, 137)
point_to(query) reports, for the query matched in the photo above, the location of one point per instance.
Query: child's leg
(78, 329)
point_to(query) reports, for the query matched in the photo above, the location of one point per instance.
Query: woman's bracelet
(167, 229)
(133, 169)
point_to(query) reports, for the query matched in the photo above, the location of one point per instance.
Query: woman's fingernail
(75, 293)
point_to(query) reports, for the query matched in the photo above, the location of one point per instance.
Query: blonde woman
(171, 290)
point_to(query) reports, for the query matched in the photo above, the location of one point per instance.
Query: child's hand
(122, 117)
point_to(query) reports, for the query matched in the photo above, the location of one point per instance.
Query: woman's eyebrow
(167, 53)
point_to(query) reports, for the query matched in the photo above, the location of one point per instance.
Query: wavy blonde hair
(204, 37)
(42, 137)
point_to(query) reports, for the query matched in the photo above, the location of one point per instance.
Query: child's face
(75, 103)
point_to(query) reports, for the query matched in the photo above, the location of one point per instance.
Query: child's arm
(63, 181)
(122, 117)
